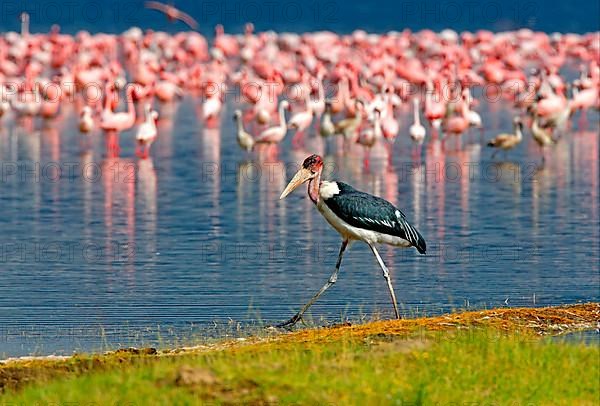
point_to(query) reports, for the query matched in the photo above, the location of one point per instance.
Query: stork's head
(311, 168)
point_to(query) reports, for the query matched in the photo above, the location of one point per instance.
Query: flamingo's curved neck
(321, 91)
(535, 127)
(240, 125)
(344, 89)
(518, 132)
(354, 85)
(130, 106)
(282, 122)
(416, 112)
(377, 125)
(465, 110)
(149, 118)
(24, 24)
(574, 91)
(307, 101)
(107, 98)
(428, 98)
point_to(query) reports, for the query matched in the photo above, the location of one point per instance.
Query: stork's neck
(314, 185)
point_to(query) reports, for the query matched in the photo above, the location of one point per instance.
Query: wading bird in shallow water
(507, 141)
(86, 120)
(417, 131)
(147, 132)
(245, 140)
(542, 137)
(357, 216)
(172, 13)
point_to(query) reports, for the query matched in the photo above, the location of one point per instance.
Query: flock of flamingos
(347, 86)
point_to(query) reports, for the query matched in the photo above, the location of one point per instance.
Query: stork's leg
(331, 281)
(386, 275)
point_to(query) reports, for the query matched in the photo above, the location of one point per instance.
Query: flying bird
(172, 13)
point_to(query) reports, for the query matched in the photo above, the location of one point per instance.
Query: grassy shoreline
(498, 354)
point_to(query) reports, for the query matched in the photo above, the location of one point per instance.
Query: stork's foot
(291, 322)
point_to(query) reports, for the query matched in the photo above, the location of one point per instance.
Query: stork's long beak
(299, 178)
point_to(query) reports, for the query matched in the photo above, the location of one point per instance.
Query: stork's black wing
(373, 213)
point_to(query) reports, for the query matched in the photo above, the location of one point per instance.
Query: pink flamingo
(342, 97)
(86, 121)
(146, 133)
(50, 107)
(166, 91)
(434, 109)
(318, 106)
(228, 45)
(25, 102)
(277, 133)
(389, 124)
(458, 123)
(371, 135)
(211, 108)
(416, 130)
(584, 99)
(114, 123)
(301, 120)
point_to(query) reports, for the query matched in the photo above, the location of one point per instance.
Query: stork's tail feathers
(420, 245)
(415, 238)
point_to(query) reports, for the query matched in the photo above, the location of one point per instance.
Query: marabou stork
(357, 216)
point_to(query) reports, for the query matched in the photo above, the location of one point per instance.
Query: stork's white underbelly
(355, 233)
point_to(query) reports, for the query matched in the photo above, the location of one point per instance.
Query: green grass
(422, 367)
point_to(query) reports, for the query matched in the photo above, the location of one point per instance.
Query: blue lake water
(300, 16)
(100, 252)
